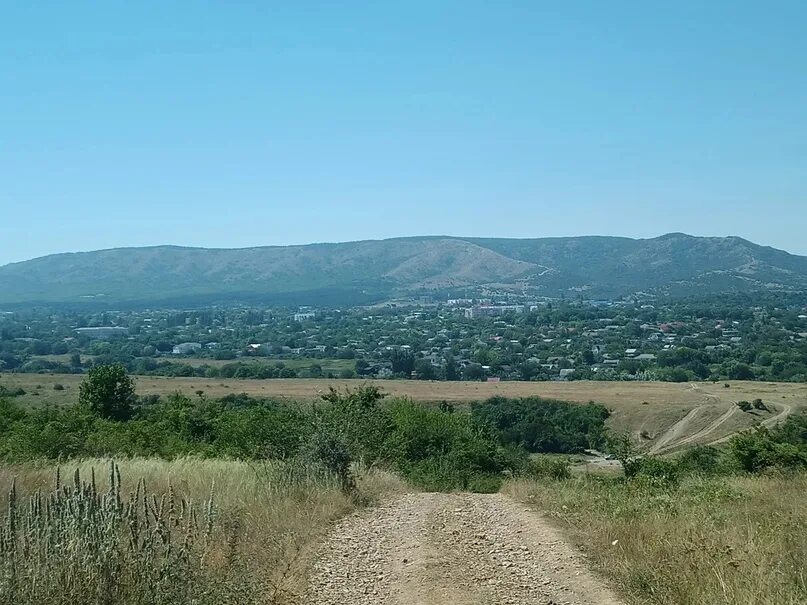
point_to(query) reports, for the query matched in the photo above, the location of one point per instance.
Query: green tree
(451, 370)
(108, 391)
(529, 370)
(473, 371)
(740, 371)
(424, 369)
(403, 362)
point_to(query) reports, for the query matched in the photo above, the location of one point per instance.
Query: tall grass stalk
(149, 531)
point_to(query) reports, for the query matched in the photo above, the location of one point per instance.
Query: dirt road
(463, 549)
(675, 432)
(782, 410)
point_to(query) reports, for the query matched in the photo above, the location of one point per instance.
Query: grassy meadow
(737, 540)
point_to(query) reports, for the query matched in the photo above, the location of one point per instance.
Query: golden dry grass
(736, 540)
(608, 393)
(274, 512)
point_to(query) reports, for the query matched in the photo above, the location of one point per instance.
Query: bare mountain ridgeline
(368, 271)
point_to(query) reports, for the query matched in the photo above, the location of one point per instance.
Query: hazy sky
(253, 123)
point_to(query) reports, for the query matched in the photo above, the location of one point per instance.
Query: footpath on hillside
(462, 549)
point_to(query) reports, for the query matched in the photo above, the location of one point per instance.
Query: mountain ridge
(369, 270)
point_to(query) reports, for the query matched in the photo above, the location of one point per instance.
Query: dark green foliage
(653, 470)
(544, 425)
(15, 392)
(740, 371)
(682, 361)
(473, 371)
(334, 454)
(760, 405)
(46, 433)
(793, 431)
(172, 427)
(439, 450)
(674, 375)
(359, 419)
(424, 370)
(436, 448)
(403, 362)
(702, 459)
(108, 392)
(261, 431)
(9, 414)
(784, 447)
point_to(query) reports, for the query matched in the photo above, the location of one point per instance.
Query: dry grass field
(736, 540)
(247, 530)
(662, 416)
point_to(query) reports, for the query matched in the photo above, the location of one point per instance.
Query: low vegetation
(711, 526)
(435, 447)
(148, 531)
(740, 539)
(221, 500)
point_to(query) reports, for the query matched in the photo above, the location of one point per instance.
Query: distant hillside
(373, 270)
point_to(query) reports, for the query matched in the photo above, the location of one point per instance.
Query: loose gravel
(462, 549)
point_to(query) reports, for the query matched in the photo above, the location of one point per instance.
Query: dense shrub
(11, 392)
(653, 470)
(702, 459)
(436, 448)
(759, 449)
(745, 406)
(544, 425)
(109, 392)
(360, 419)
(440, 450)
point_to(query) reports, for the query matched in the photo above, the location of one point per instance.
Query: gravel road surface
(460, 549)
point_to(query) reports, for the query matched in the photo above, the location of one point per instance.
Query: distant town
(451, 339)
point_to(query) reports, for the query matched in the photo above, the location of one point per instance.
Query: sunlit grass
(209, 531)
(738, 540)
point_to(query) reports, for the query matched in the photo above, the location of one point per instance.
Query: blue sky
(259, 123)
